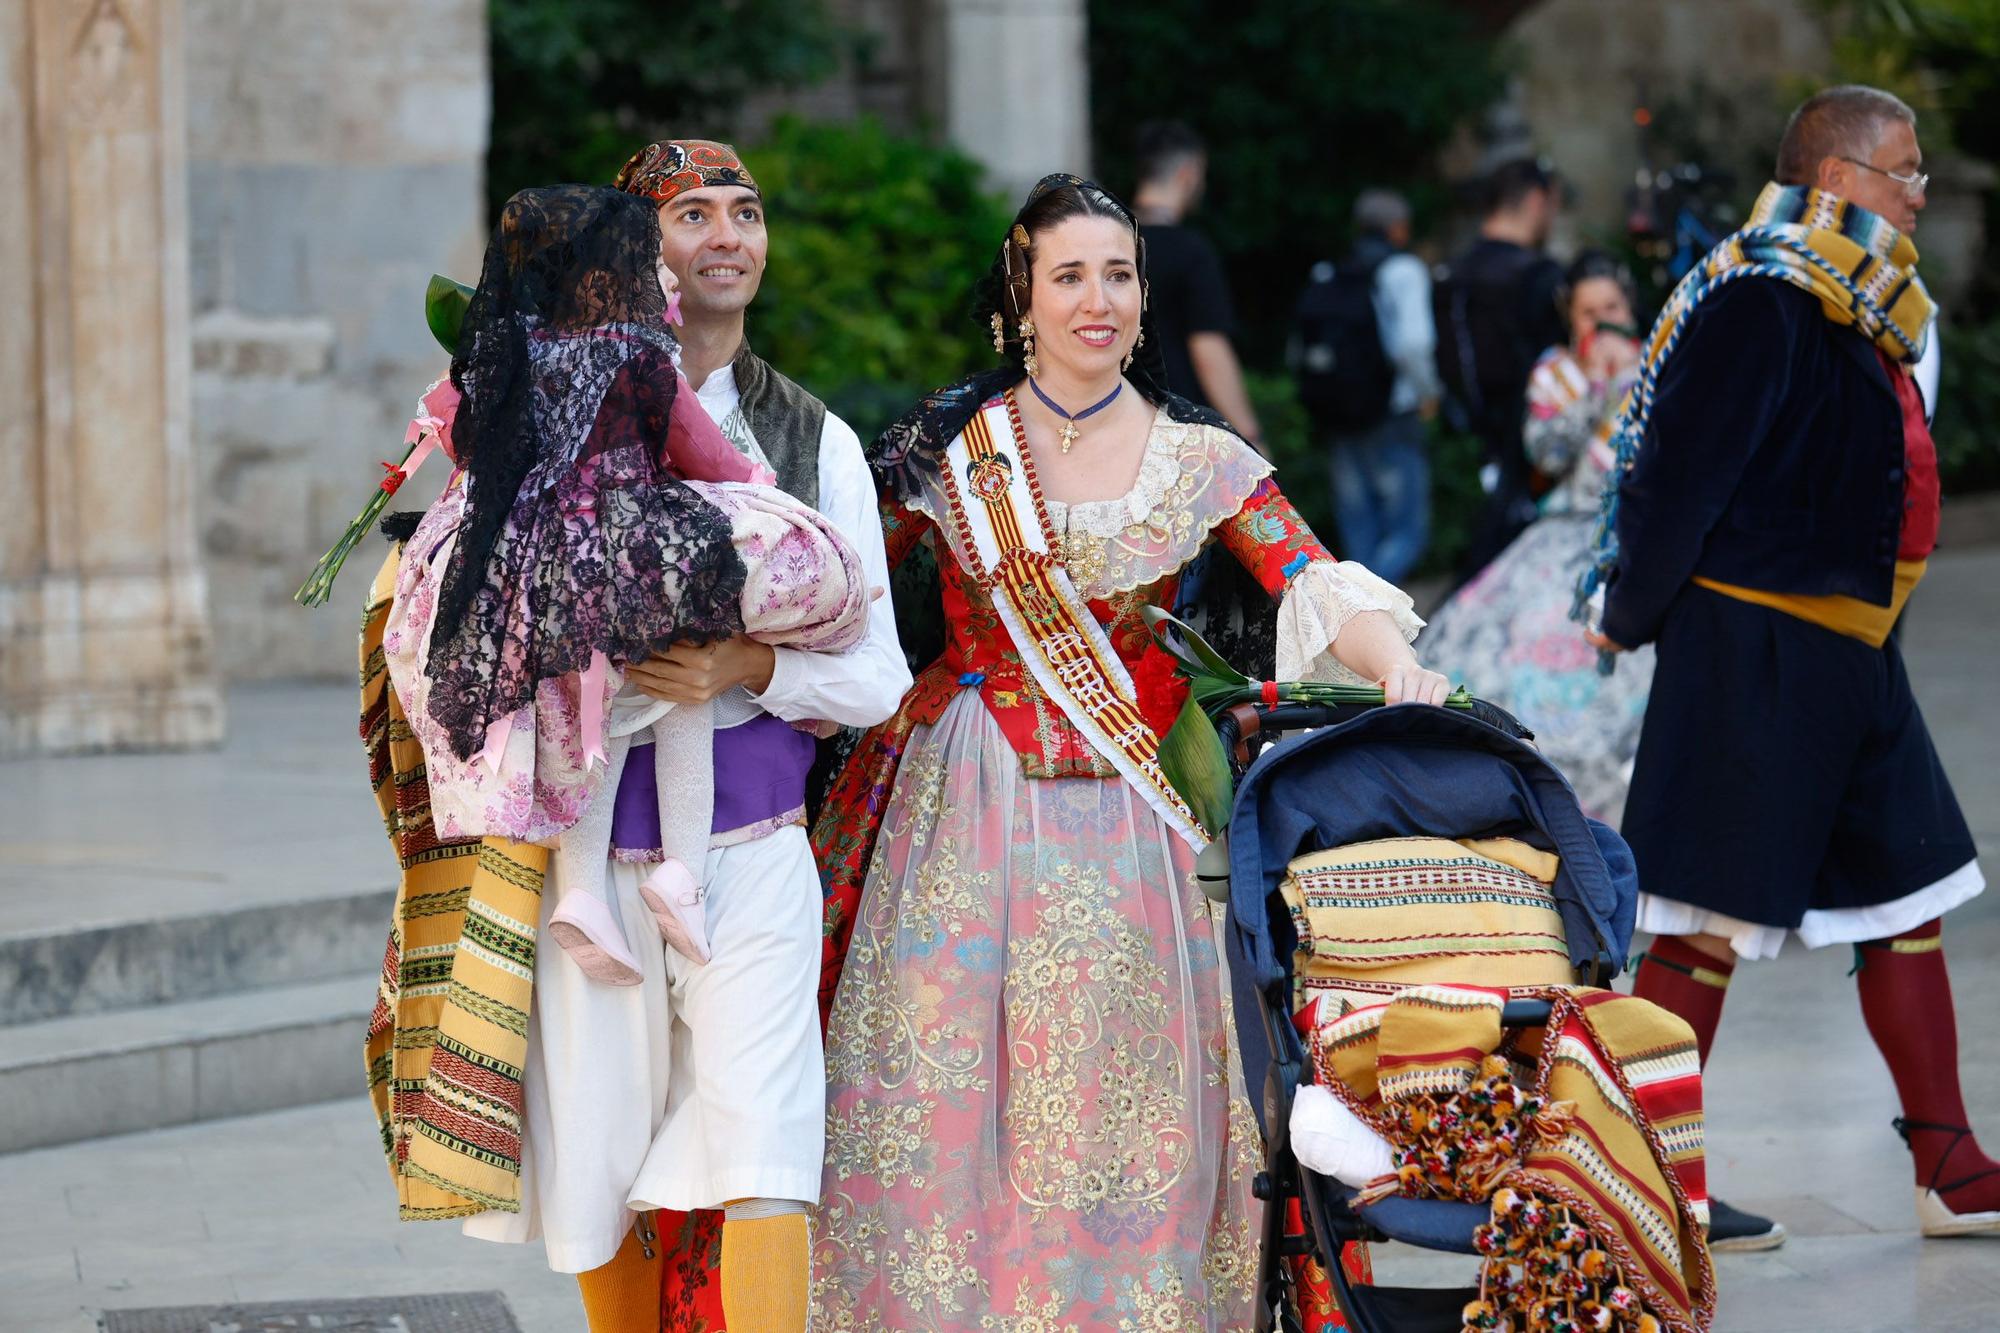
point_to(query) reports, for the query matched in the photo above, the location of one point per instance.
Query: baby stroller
(1427, 772)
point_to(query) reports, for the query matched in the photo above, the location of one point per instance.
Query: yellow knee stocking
(624, 1296)
(764, 1265)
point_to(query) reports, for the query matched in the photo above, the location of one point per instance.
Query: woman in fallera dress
(1035, 1114)
(1508, 631)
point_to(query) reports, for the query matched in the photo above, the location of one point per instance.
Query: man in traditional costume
(704, 1088)
(1774, 504)
(574, 1117)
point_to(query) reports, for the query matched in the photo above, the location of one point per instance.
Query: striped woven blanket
(1589, 1148)
(1373, 918)
(449, 1032)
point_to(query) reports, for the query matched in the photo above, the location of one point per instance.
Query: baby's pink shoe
(676, 902)
(589, 934)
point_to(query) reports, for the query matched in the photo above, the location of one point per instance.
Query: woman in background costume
(1508, 631)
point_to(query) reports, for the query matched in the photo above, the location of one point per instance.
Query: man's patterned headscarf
(659, 171)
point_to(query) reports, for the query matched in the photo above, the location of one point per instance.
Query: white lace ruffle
(1318, 603)
(1191, 478)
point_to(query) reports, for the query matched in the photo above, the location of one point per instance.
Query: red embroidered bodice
(1260, 529)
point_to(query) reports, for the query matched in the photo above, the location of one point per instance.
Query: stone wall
(104, 639)
(335, 152)
(1585, 64)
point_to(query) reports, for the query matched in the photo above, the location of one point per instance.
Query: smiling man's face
(713, 239)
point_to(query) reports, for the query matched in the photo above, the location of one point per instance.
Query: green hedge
(579, 84)
(876, 242)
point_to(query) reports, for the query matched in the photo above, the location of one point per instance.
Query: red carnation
(1160, 687)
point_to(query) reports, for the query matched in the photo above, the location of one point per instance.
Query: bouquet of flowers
(430, 431)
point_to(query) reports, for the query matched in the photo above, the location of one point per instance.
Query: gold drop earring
(999, 335)
(1028, 344)
(1137, 343)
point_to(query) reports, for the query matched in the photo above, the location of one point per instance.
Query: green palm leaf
(444, 310)
(1178, 640)
(1192, 758)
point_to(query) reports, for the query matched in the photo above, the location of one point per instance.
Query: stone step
(54, 972)
(69, 1079)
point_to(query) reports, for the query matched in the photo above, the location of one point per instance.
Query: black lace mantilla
(576, 538)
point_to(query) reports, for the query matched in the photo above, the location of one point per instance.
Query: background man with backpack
(1496, 312)
(1363, 353)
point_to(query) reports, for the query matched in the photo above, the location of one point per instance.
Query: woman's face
(1597, 301)
(1085, 296)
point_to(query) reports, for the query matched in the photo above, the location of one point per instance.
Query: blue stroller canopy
(1406, 772)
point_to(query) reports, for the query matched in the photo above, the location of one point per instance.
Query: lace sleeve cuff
(1318, 603)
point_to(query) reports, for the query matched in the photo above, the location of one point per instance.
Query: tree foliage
(578, 83)
(876, 242)
(1303, 103)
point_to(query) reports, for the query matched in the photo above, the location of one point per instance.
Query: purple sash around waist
(760, 778)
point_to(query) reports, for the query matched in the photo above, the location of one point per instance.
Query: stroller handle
(1239, 727)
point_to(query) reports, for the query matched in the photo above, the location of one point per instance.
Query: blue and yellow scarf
(1863, 271)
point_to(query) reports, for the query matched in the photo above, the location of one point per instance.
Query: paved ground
(295, 1204)
(135, 836)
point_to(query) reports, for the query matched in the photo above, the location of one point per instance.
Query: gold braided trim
(1060, 633)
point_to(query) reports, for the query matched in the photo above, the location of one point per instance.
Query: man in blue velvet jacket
(1779, 512)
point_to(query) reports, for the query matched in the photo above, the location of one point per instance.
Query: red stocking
(1906, 1001)
(1687, 983)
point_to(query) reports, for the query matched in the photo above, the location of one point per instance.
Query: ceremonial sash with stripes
(1005, 542)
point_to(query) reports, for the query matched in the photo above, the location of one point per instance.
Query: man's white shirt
(862, 686)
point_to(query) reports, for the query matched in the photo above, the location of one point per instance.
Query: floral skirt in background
(1507, 636)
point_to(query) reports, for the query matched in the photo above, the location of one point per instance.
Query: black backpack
(1344, 375)
(1485, 349)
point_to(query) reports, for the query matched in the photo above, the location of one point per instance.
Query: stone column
(104, 640)
(1015, 90)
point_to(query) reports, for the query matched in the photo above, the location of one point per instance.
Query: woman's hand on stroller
(1372, 647)
(1412, 684)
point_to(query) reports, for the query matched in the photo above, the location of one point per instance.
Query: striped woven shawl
(449, 1032)
(1862, 269)
(1589, 1151)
